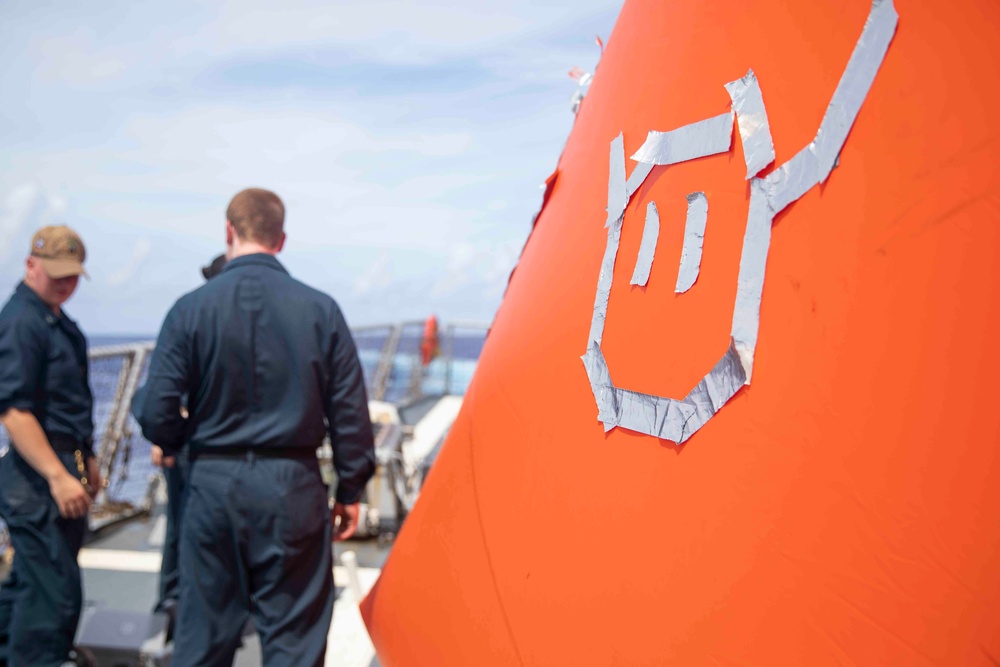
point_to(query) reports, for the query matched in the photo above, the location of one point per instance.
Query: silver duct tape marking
(653, 415)
(667, 418)
(810, 166)
(601, 385)
(854, 84)
(706, 137)
(617, 200)
(715, 389)
(617, 197)
(694, 239)
(756, 243)
(792, 179)
(639, 174)
(678, 420)
(813, 163)
(647, 248)
(604, 282)
(751, 119)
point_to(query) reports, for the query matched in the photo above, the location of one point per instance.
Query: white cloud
(377, 277)
(140, 251)
(88, 45)
(423, 196)
(476, 268)
(392, 31)
(26, 208)
(21, 204)
(78, 58)
(209, 147)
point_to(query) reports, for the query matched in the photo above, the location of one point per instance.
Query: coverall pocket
(306, 511)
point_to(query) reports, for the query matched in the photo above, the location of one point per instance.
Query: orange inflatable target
(831, 496)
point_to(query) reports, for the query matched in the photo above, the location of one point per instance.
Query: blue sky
(407, 139)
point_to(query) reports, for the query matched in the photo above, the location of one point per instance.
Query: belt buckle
(81, 467)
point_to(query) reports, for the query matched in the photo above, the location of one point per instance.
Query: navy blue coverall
(176, 482)
(268, 366)
(43, 370)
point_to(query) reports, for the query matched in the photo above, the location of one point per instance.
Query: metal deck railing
(390, 357)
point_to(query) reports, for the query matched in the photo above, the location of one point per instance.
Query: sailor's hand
(345, 520)
(93, 477)
(69, 494)
(159, 460)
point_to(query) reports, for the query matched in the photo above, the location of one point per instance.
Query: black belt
(254, 452)
(67, 444)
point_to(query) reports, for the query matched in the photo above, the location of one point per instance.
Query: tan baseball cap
(61, 251)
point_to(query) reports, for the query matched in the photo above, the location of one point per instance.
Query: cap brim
(63, 268)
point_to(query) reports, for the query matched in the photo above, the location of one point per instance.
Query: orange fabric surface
(842, 509)
(453, 613)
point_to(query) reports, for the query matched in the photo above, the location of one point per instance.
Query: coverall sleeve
(156, 406)
(23, 350)
(347, 416)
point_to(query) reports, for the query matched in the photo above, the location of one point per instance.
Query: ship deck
(121, 572)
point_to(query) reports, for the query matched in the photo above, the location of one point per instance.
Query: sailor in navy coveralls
(268, 367)
(49, 477)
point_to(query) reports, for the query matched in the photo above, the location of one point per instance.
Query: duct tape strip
(792, 179)
(604, 282)
(751, 118)
(750, 284)
(617, 197)
(667, 418)
(635, 181)
(601, 385)
(715, 389)
(653, 415)
(706, 137)
(694, 238)
(647, 248)
(813, 163)
(880, 27)
(810, 166)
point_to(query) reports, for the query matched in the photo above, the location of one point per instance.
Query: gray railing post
(384, 369)
(449, 358)
(131, 371)
(106, 450)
